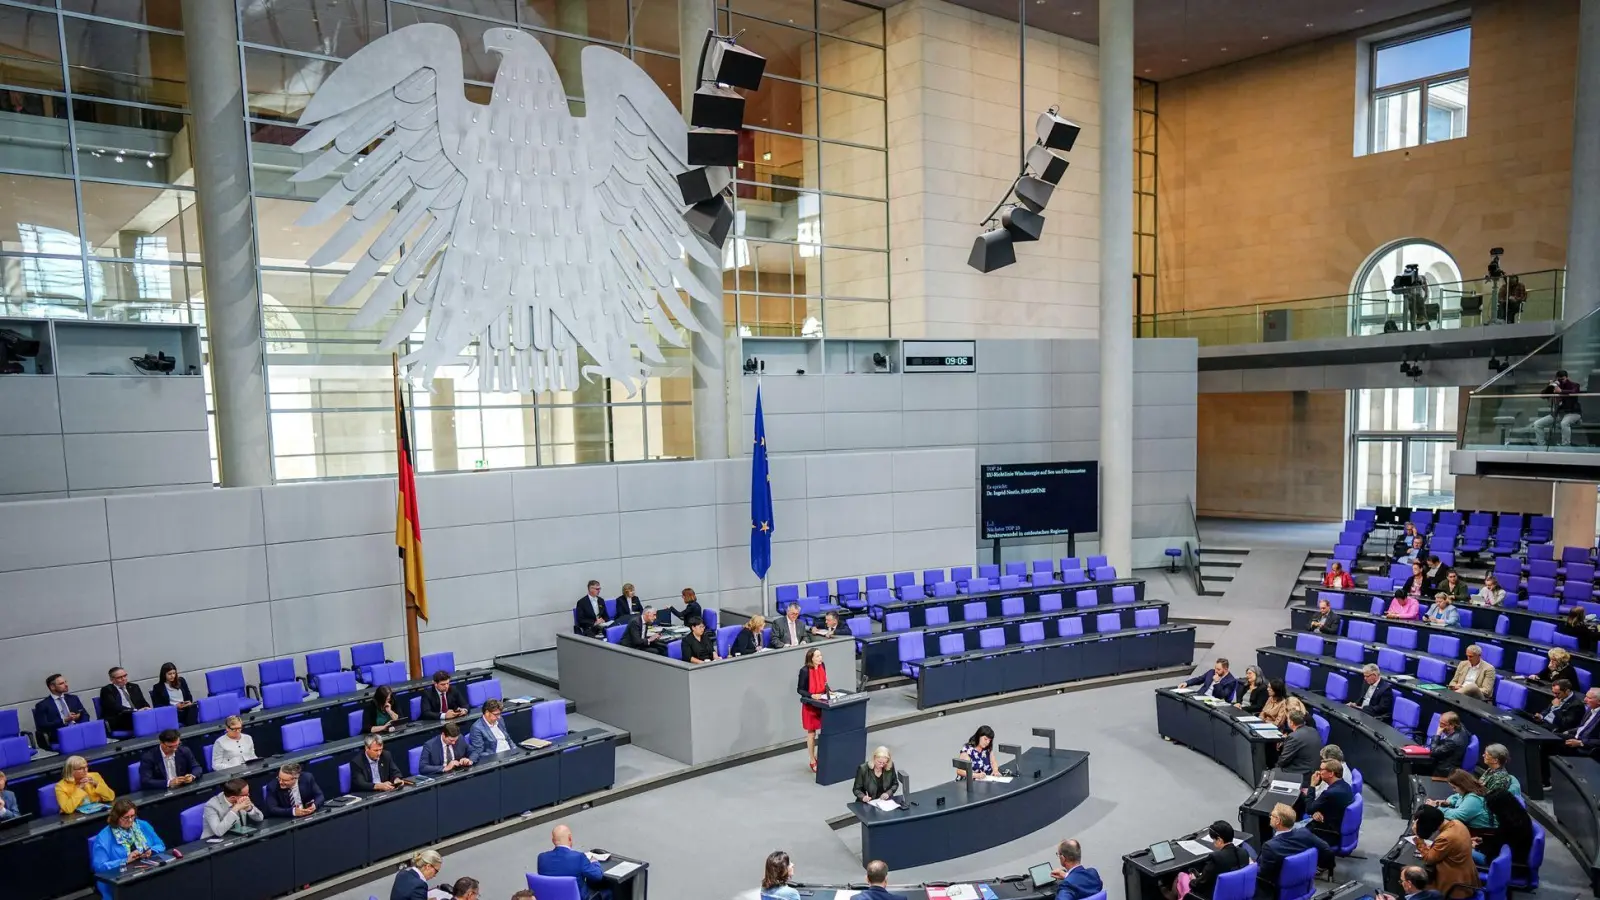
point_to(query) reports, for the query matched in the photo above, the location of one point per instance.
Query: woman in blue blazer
(125, 839)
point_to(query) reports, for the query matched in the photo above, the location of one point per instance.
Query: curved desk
(1518, 619)
(1004, 887)
(978, 815)
(1215, 731)
(1575, 797)
(1373, 746)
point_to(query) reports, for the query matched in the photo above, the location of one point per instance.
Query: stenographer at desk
(876, 779)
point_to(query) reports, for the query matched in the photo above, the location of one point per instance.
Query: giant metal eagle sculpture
(540, 232)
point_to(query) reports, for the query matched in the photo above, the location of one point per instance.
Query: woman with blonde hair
(876, 778)
(412, 882)
(79, 786)
(749, 638)
(234, 748)
(1558, 669)
(628, 604)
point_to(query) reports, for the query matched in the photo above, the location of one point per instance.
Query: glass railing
(1528, 406)
(1448, 305)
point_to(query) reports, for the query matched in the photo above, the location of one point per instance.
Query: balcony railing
(1522, 408)
(1448, 305)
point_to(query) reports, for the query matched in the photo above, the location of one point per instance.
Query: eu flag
(761, 523)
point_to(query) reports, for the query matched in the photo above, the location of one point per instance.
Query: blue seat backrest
(438, 662)
(912, 646)
(335, 683)
(1049, 602)
(275, 671)
(1146, 618)
(553, 719)
(614, 633)
(1031, 631)
(1069, 626)
(951, 644)
(1087, 597)
(1104, 623)
(936, 615)
(480, 691)
(990, 638)
(789, 593)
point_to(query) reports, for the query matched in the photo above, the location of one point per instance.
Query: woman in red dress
(813, 683)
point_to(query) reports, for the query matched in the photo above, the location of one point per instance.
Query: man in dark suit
(1285, 842)
(1326, 621)
(1074, 880)
(169, 764)
(1417, 883)
(441, 754)
(1326, 810)
(590, 612)
(1225, 856)
(1302, 749)
(561, 860)
(1214, 682)
(373, 769)
(295, 794)
(877, 883)
(1585, 737)
(57, 710)
(1449, 746)
(443, 701)
(1377, 697)
(119, 699)
(1566, 711)
(637, 635)
(789, 630)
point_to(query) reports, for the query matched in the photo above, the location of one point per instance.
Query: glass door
(1377, 472)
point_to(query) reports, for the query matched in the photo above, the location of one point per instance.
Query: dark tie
(1588, 724)
(447, 754)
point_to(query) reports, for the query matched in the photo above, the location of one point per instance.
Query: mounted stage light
(1022, 223)
(717, 107)
(1045, 165)
(992, 250)
(1055, 132)
(711, 219)
(701, 184)
(1034, 193)
(736, 66)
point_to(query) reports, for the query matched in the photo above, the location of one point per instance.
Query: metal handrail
(1536, 351)
(1192, 559)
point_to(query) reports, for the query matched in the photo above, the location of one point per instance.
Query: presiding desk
(960, 817)
(64, 839)
(697, 713)
(1528, 742)
(1216, 731)
(343, 836)
(1142, 875)
(265, 727)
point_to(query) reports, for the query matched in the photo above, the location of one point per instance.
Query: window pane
(855, 223)
(789, 51)
(854, 170)
(141, 223)
(655, 25)
(1406, 409)
(777, 316)
(782, 106)
(852, 66)
(604, 19)
(798, 13)
(278, 86)
(855, 318)
(130, 143)
(160, 13)
(1395, 120)
(663, 71)
(1447, 110)
(777, 160)
(1430, 483)
(1414, 60)
(854, 21)
(1377, 473)
(122, 63)
(38, 215)
(36, 130)
(30, 48)
(333, 30)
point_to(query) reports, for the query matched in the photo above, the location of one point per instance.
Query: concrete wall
(952, 96)
(1260, 196)
(1277, 455)
(1028, 401)
(222, 577)
(1503, 494)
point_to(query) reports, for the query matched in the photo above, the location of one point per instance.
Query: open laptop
(14, 821)
(1161, 852)
(1040, 876)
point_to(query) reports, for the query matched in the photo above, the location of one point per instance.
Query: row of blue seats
(1407, 717)
(848, 591)
(913, 646)
(1351, 649)
(1537, 529)
(1010, 606)
(1538, 632)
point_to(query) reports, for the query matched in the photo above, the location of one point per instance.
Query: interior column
(227, 242)
(1116, 283)
(708, 387)
(1583, 227)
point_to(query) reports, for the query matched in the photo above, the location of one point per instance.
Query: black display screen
(1032, 499)
(938, 361)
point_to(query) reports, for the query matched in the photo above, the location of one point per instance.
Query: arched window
(1373, 305)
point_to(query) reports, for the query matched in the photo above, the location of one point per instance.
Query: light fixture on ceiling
(1224, 49)
(1077, 12)
(1185, 59)
(1311, 24)
(1147, 71)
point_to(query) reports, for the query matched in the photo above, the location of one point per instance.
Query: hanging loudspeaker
(713, 147)
(1046, 166)
(1033, 193)
(1056, 133)
(992, 250)
(1022, 224)
(717, 107)
(701, 184)
(733, 65)
(711, 219)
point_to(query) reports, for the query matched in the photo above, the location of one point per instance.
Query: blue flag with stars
(761, 523)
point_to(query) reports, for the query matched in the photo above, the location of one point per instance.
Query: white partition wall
(221, 577)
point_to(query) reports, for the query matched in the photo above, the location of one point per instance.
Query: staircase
(1218, 565)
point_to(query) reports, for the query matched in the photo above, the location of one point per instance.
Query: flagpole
(413, 637)
(764, 608)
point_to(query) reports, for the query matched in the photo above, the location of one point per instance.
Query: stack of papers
(961, 892)
(999, 779)
(1284, 787)
(622, 869)
(1249, 719)
(885, 805)
(1183, 690)
(1194, 847)
(597, 857)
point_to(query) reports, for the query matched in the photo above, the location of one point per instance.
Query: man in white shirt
(234, 748)
(789, 631)
(488, 735)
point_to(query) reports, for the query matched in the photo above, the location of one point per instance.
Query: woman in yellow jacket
(78, 786)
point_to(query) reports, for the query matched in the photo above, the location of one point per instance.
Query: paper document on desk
(961, 892)
(597, 857)
(1284, 787)
(622, 869)
(999, 779)
(1195, 847)
(1248, 719)
(440, 894)
(885, 805)
(1183, 690)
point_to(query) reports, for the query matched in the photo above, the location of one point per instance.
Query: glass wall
(809, 255)
(1401, 447)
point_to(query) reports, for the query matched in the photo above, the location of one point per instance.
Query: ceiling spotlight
(767, 156)
(1077, 12)
(1022, 223)
(992, 250)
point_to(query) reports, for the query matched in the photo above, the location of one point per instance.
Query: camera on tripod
(1494, 262)
(1410, 278)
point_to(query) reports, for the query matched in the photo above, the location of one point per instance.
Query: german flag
(408, 523)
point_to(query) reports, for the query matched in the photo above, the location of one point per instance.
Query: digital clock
(940, 356)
